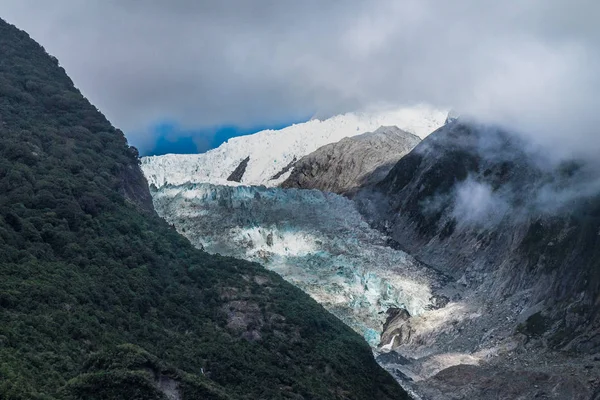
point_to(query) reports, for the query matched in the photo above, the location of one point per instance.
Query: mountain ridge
(345, 166)
(518, 234)
(271, 151)
(101, 299)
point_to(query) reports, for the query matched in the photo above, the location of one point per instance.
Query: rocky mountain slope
(353, 162)
(101, 299)
(271, 154)
(503, 281)
(520, 235)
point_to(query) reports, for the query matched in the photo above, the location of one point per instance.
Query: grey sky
(532, 64)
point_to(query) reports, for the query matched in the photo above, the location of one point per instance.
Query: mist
(511, 179)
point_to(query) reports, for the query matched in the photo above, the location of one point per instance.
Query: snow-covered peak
(270, 151)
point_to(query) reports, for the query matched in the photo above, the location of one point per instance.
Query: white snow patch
(271, 150)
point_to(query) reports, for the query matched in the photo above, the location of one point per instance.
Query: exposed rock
(438, 301)
(134, 188)
(396, 329)
(238, 172)
(392, 357)
(243, 315)
(352, 162)
(473, 382)
(252, 335)
(284, 170)
(169, 387)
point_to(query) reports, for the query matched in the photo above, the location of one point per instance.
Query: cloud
(529, 64)
(476, 202)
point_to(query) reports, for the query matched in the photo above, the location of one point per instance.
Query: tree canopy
(101, 299)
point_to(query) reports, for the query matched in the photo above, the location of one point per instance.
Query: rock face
(395, 330)
(499, 383)
(353, 162)
(238, 172)
(284, 170)
(134, 188)
(519, 234)
(470, 201)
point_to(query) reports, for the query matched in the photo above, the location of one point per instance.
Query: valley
(349, 200)
(316, 240)
(445, 323)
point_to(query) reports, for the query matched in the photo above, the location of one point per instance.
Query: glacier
(315, 240)
(419, 322)
(270, 151)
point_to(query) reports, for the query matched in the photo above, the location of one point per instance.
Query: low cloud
(476, 202)
(516, 183)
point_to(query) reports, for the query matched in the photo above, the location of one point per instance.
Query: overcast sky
(531, 64)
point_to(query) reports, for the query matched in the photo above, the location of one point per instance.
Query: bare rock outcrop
(353, 162)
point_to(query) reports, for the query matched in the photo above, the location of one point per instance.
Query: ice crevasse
(316, 240)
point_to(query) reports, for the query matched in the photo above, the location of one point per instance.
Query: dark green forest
(101, 299)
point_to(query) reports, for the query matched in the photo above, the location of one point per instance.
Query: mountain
(353, 162)
(476, 268)
(268, 157)
(102, 299)
(518, 234)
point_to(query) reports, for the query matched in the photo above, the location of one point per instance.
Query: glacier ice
(316, 240)
(272, 150)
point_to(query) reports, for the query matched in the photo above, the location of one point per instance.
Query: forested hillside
(101, 299)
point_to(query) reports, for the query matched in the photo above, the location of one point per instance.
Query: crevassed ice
(318, 241)
(271, 150)
(257, 240)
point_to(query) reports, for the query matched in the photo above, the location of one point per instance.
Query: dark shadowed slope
(520, 235)
(472, 200)
(100, 299)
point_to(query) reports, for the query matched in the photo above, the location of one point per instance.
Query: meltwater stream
(315, 240)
